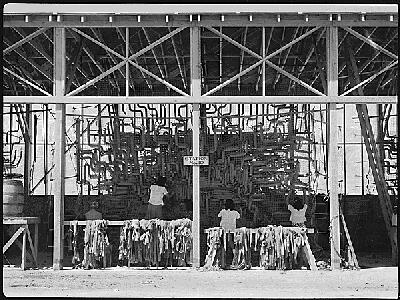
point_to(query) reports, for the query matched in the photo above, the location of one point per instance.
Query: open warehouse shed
(279, 100)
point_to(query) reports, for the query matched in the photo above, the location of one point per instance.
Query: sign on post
(195, 160)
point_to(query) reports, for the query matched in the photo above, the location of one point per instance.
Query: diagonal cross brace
(12, 239)
(24, 40)
(370, 42)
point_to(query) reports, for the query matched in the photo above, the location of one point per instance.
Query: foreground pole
(196, 92)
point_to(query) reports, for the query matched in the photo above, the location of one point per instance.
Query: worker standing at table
(297, 211)
(93, 214)
(157, 193)
(228, 217)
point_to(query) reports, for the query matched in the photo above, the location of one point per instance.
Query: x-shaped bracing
(377, 47)
(128, 60)
(262, 60)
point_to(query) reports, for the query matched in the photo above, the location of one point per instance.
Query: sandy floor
(379, 282)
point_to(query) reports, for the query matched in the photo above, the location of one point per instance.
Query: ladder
(372, 151)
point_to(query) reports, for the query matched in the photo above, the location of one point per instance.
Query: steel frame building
(53, 81)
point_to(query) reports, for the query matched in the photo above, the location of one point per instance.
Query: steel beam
(202, 99)
(212, 19)
(59, 155)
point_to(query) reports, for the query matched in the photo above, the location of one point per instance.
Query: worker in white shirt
(93, 214)
(228, 217)
(157, 193)
(297, 211)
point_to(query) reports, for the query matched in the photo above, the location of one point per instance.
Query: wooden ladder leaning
(372, 151)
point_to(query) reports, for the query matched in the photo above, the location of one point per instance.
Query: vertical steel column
(263, 74)
(127, 63)
(263, 64)
(332, 83)
(195, 68)
(59, 155)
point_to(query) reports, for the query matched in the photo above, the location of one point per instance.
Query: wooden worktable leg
(309, 255)
(36, 240)
(23, 262)
(31, 245)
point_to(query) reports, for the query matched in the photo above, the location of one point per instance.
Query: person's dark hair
(161, 181)
(229, 204)
(298, 204)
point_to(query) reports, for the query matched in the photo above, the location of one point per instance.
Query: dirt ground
(376, 279)
(133, 283)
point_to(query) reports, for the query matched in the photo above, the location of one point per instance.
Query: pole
(196, 92)
(332, 80)
(59, 136)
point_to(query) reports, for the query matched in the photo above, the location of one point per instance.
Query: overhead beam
(202, 99)
(230, 20)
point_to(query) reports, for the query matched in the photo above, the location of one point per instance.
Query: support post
(332, 84)
(263, 64)
(23, 255)
(59, 155)
(195, 92)
(27, 151)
